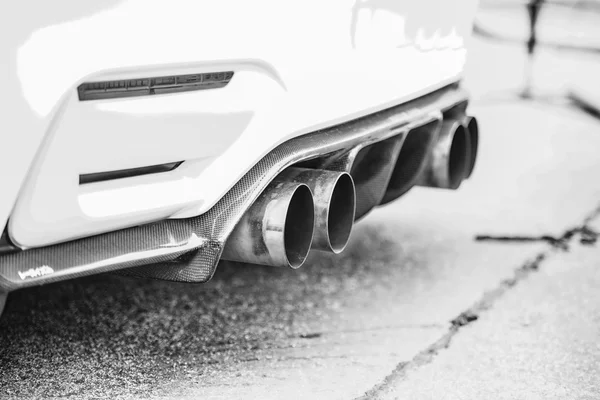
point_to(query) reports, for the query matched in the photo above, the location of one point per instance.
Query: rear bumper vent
(152, 86)
(127, 173)
(6, 246)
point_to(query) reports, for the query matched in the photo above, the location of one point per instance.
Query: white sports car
(157, 138)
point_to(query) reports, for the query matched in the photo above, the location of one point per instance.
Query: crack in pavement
(587, 236)
(316, 335)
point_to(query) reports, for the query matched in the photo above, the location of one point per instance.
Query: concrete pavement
(539, 340)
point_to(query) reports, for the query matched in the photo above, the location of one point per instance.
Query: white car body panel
(298, 66)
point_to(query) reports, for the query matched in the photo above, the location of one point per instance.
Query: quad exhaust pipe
(300, 209)
(313, 208)
(452, 158)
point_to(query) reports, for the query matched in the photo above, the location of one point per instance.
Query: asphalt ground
(414, 308)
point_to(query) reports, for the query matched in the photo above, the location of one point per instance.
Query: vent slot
(6, 246)
(152, 86)
(127, 173)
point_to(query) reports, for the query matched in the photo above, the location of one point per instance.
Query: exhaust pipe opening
(298, 228)
(449, 159)
(277, 229)
(334, 201)
(473, 131)
(340, 217)
(458, 161)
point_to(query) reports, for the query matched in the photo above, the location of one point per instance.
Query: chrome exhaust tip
(335, 205)
(449, 159)
(277, 229)
(340, 216)
(472, 127)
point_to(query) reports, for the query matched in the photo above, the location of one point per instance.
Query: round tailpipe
(449, 159)
(277, 229)
(472, 127)
(335, 202)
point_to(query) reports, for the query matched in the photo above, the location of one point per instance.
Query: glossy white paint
(299, 66)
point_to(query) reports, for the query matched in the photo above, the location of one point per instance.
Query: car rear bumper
(300, 67)
(189, 249)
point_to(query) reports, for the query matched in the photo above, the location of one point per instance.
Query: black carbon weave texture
(80, 257)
